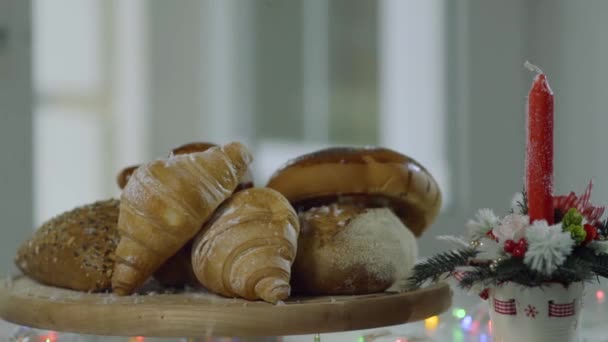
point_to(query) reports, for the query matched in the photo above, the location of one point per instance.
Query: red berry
(591, 233)
(491, 235)
(523, 243)
(518, 251)
(484, 294)
(509, 246)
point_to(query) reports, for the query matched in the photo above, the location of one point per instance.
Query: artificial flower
(573, 223)
(512, 227)
(489, 249)
(577, 232)
(599, 247)
(591, 213)
(485, 220)
(572, 218)
(591, 233)
(548, 247)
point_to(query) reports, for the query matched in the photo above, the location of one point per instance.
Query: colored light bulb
(431, 323)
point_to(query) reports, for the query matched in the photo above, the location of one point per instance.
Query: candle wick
(533, 67)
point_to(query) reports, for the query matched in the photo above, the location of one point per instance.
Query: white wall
(15, 128)
(485, 51)
(568, 39)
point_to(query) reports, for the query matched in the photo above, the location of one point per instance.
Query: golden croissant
(248, 248)
(165, 203)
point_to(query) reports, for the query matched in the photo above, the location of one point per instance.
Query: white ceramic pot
(548, 313)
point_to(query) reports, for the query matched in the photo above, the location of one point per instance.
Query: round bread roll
(360, 210)
(350, 249)
(378, 177)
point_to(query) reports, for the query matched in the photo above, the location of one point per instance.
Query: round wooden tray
(195, 314)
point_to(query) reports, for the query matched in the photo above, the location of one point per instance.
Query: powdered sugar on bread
(352, 249)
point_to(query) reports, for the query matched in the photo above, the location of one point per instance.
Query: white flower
(599, 247)
(548, 247)
(489, 250)
(484, 221)
(512, 227)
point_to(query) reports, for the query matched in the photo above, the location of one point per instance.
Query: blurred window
(351, 72)
(70, 80)
(89, 91)
(119, 82)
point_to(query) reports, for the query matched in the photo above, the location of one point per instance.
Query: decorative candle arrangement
(555, 243)
(539, 149)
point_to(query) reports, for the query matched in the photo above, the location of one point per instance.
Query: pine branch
(513, 269)
(575, 269)
(523, 204)
(584, 253)
(481, 274)
(432, 268)
(600, 266)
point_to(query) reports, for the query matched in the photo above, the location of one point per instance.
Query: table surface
(466, 321)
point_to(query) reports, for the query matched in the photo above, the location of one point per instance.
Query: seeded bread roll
(74, 250)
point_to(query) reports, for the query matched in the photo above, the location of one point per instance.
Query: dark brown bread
(177, 271)
(74, 250)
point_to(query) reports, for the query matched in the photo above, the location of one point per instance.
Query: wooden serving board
(195, 314)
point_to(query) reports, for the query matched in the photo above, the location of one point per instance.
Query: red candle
(539, 150)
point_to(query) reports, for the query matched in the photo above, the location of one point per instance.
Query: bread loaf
(74, 250)
(360, 210)
(350, 249)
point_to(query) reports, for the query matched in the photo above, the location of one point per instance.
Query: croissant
(165, 203)
(123, 177)
(248, 248)
(177, 270)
